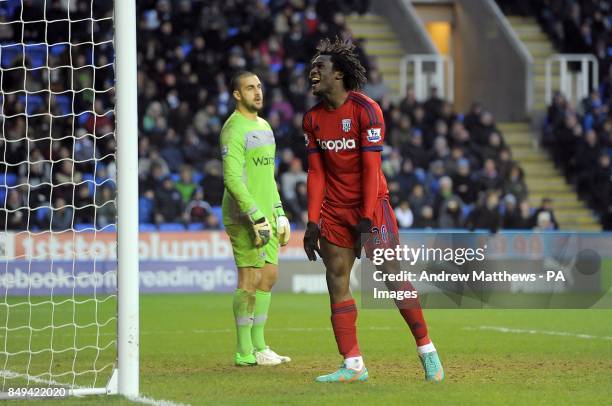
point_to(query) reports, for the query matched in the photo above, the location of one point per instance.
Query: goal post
(127, 197)
(69, 266)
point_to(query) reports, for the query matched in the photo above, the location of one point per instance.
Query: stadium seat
(171, 227)
(467, 209)
(8, 179)
(37, 54)
(186, 48)
(109, 228)
(175, 177)
(83, 117)
(88, 179)
(198, 177)
(145, 227)
(42, 213)
(65, 103)
(57, 49)
(218, 211)
(195, 227)
(32, 101)
(145, 210)
(9, 52)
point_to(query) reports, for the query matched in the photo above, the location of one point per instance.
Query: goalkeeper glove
(362, 227)
(283, 229)
(262, 231)
(311, 241)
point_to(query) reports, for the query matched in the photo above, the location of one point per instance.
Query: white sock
(423, 349)
(355, 363)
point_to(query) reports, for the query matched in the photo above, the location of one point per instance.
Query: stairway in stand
(381, 44)
(544, 180)
(540, 48)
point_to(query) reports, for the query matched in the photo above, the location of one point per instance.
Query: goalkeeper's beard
(252, 107)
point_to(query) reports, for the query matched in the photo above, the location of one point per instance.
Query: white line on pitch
(139, 399)
(541, 332)
(215, 331)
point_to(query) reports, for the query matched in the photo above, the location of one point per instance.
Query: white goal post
(127, 198)
(69, 266)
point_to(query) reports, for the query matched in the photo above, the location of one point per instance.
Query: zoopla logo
(337, 145)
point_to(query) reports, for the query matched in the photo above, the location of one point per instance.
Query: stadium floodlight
(69, 315)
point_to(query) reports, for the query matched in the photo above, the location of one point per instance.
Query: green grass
(187, 344)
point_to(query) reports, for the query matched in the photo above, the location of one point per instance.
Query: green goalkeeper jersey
(248, 151)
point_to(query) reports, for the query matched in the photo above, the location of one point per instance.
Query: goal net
(58, 240)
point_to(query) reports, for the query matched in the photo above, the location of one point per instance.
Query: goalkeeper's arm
(233, 152)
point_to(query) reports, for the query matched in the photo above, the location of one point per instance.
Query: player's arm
(315, 189)
(233, 154)
(372, 135)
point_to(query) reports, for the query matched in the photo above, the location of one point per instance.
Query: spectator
(489, 178)
(545, 206)
(183, 81)
(409, 103)
(376, 87)
(212, 184)
(445, 193)
(84, 209)
(407, 178)
(524, 222)
(601, 183)
(511, 218)
(416, 151)
(61, 217)
(185, 186)
(106, 212)
(299, 205)
(168, 204)
(197, 210)
(404, 215)
(514, 184)
(425, 219)
(451, 213)
(486, 215)
(290, 179)
(482, 130)
(433, 106)
(544, 222)
(418, 199)
(463, 183)
(15, 214)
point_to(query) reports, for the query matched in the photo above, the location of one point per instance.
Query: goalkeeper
(253, 216)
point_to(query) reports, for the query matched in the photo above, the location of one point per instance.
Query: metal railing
(425, 71)
(575, 87)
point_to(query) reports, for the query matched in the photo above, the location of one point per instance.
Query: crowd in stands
(444, 170)
(579, 136)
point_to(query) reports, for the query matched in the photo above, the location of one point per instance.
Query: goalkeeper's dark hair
(235, 82)
(345, 60)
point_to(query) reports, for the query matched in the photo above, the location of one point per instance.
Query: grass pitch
(490, 356)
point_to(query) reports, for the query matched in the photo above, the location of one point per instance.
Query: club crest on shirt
(374, 135)
(346, 125)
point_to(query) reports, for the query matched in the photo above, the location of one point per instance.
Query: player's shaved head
(237, 78)
(345, 60)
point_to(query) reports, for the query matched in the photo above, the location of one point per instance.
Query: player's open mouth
(314, 81)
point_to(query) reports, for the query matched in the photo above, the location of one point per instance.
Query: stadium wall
(195, 262)
(490, 61)
(407, 25)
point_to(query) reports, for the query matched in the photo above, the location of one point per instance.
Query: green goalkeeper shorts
(245, 252)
